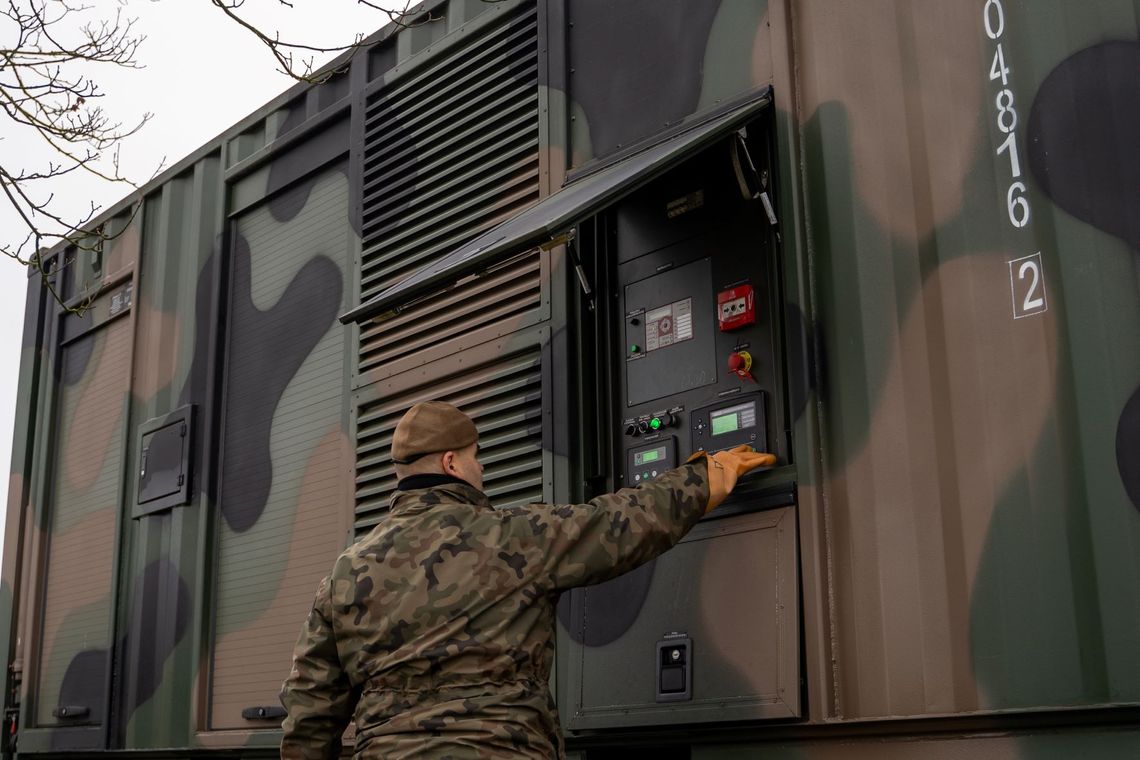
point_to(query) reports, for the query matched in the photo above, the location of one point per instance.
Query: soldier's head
(436, 438)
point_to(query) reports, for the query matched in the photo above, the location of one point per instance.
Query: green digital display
(649, 455)
(725, 423)
(733, 418)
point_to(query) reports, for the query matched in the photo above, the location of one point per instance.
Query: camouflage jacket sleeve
(317, 696)
(612, 534)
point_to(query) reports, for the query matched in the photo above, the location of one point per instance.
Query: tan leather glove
(726, 467)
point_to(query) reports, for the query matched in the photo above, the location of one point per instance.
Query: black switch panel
(675, 669)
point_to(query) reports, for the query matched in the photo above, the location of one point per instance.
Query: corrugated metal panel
(276, 542)
(985, 554)
(76, 624)
(504, 398)
(450, 150)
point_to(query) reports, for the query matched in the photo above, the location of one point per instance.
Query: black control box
(647, 462)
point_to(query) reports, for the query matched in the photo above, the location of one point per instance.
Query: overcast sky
(203, 73)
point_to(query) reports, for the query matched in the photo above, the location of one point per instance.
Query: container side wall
(978, 345)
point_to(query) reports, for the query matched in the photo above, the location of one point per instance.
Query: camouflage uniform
(437, 628)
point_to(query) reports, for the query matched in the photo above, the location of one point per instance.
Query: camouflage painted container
(956, 187)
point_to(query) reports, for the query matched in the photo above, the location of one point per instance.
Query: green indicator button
(634, 348)
(655, 423)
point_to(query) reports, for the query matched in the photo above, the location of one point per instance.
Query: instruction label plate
(669, 324)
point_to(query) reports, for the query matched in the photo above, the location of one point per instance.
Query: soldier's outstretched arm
(612, 534)
(317, 696)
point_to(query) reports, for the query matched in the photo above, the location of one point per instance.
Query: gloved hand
(726, 467)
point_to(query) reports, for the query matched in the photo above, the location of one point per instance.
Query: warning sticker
(669, 324)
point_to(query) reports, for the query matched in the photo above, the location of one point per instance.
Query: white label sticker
(670, 324)
(1027, 281)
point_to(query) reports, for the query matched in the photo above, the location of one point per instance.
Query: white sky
(203, 73)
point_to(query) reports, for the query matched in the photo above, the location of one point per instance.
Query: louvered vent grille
(504, 397)
(450, 151)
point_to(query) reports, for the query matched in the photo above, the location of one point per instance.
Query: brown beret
(431, 426)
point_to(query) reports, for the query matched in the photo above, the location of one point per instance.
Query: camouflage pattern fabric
(437, 628)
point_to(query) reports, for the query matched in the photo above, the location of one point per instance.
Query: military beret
(431, 426)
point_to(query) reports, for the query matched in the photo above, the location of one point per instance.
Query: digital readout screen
(733, 418)
(650, 455)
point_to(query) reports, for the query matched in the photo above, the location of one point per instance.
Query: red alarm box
(736, 308)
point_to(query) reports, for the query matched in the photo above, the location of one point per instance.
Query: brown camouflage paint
(968, 497)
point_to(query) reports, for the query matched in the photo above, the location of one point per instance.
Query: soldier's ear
(448, 462)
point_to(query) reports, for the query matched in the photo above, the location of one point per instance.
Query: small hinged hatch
(164, 458)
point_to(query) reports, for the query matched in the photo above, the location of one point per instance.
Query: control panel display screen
(733, 418)
(649, 455)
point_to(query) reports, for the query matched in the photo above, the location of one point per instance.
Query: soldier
(437, 629)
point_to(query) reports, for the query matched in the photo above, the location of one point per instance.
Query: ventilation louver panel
(504, 397)
(451, 150)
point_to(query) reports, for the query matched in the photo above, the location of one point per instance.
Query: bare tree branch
(44, 90)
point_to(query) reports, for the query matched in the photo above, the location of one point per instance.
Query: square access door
(164, 461)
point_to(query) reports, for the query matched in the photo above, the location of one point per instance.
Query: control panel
(700, 369)
(690, 281)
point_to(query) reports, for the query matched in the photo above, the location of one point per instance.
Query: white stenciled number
(1017, 204)
(1007, 117)
(995, 18)
(999, 70)
(1010, 145)
(1032, 302)
(1027, 283)
(1016, 200)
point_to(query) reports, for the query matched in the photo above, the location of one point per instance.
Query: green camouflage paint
(967, 495)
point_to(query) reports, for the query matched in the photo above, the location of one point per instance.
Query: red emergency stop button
(740, 364)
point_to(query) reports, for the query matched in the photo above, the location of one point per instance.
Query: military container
(892, 242)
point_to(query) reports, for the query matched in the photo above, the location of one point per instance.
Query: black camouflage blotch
(619, 524)
(801, 360)
(666, 38)
(266, 349)
(517, 736)
(564, 511)
(84, 683)
(398, 636)
(450, 521)
(362, 591)
(1128, 447)
(285, 206)
(380, 553)
(459, 545)
(694, 478)
(155, 628)
(537, 526)
(76, 357)
(1082, 132)
(613, 607)
(516, 562)
(195, 388)
(153, 633)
